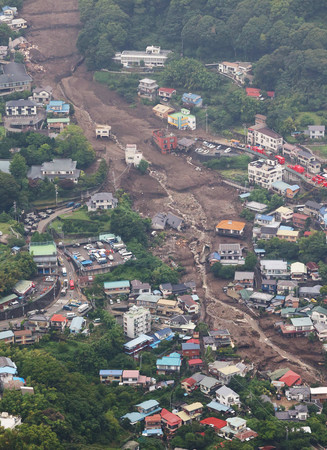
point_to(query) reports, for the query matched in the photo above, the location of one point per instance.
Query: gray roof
(4, 165)
(305, 390)
(243, 275)
(59, 164)
(313, 205)
(225, 391)
(198, 377)
(208, 382)
(310, 289)
(7, 362)
(14, 73)
(47, 89)
(268, 230)
(229, 248)
(316, 127)
(20, 102)
(34, 172)
(103, 196)
(173, 221)
(159, 220)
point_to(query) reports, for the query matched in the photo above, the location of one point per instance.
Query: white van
(64, 271)
(70, 315)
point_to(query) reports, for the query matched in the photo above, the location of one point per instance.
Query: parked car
(70, 204)
(77, 205)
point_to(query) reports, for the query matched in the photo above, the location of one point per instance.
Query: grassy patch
(240, 130)
(320, 150)
(5, 227)
(80, 214)
(238, 175)
(315, 118)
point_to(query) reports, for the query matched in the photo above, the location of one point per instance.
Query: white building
(273, 268)
(263, 136)
(133, 155)
(137, 321)
(42, 95)
(227, 396)
(148, 88)
(265, 172)
(102, 131)
(102, 200)
(152, 57)
(21, 108)
(231, 254)
(9, 421)
(315, 131)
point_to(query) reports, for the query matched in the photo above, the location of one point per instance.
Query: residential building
(166, 93)
(260, 299)
(227, 396)
(263, 136)
(7, 337)
(234, 426)
(219, 408)
(265, 233)
(148, 88)
(148, 407)
(162, 111)
(7, 366)
(37, 323)
(152, 57)
(133, 155)
(190, 350)
(188, 304)
(231, 254)
(62, 169)
(167, 307)
(222, 337)
(102, 200)
(25, 337)
(318, 394)
(57, 124)
(174, 222)
(256, 207)
(226, 373)
(283, 214)
(287, 235)
(298, 271)
(169, 364)
(190, 412)
(236, 70)
(138, 288)
(300, 220)
(269, 286)
(58, 322)
(17, 24)
(313, 270)
(216, 424)
(263, 219)
(208, 385)
(315, 131)
(21, 107)
(148, 301)
(273, 268)
(285, 189)
(165, 141)
(109, 376)
(76, 325)
(8, 421)
(256, 93)
(137, 321)
(116, 287)
(3, 51)
(312, 208)
(319, 315)
(190, 384)
(42, 95)
(58, 108)
(138, 344)
(230, 228)
(152, 426)
(245, 279)
(310, 291)
(287, 287)
(298, 393)
(265, 172)
(291, 378)
(14, 78)
(182, 120)
(6, 302)
(102, 131)
(171, 422)
(192, 100)
(301, 326)
(45, 256)
(182, 323)
(300, 412)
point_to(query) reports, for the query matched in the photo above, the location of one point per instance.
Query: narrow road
(43, 224)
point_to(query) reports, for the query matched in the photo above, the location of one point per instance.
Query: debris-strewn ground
(174, 184)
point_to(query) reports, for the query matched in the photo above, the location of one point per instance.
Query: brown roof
(23, 333)
(154, 418)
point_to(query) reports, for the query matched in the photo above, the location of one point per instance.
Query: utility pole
(15, 209)
(56, 191)
(206, 120)
(114, 179)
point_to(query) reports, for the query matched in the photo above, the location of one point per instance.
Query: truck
(102, 260)
(64, 271)
(81, 309)
(100, 244)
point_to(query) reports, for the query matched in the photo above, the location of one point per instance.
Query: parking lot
(32, 219)
(213, 150)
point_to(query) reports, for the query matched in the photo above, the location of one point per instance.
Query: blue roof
(134, 417)
(284, 227)
(301, 321)
(77, 323)
(218, 406)
(294, 187)
(264, 217)
(279, 297)
(175, 355)
(115, 284)
(280, 185)
(153, 432)
(169, 361)
(259, 250)
(19, 379)
(139, 340)
(163, 332)
(147, 404)
(6, 334)
(245, 195)
(58, 106)
(190, 346)
(191, 96)
(114, 373)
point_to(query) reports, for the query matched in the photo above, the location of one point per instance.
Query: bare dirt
(174, 182)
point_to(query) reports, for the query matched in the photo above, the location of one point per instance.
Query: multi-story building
(102, 131)
(315, 131)
(274, 268)
(192, 100)
(58, 107)
(263, 136)
(299, 220)
(162, 111)
(45, 256)
(137, 321)
(166, 93)
(165, 141)
(21, 107)
(42, 95)
(102, 200)
(152, 57)
(63, 169)
(182, 120)
(14, 78)
(265, 172)
(133, 155)
(230, 228)
(148, 88)
(116, 287)
(231, 254)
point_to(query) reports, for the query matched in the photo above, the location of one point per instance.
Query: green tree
(71, 143)
(18, 167)
(9, 191)
(143, 167)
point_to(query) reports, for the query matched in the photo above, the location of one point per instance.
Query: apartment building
(263, 136)
(148, 88)
(137, 321)
(274, 268)
(265, 172)
(153, 56)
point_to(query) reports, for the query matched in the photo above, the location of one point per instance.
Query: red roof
(193, 341)
(168, 90)
(311, 265)
(58, 318)
(170, 418)
(291, 378)
(252, 92)
(271, 94)
(307, 233)
(154, 418)
(194, 362)
(190, 381)
(213, 422)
